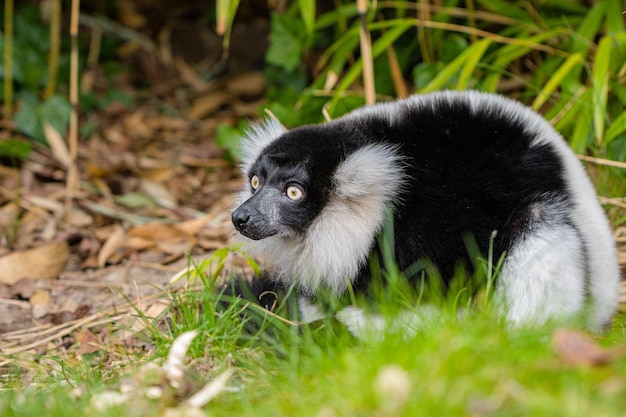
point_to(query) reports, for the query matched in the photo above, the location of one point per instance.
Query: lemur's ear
(257, 137)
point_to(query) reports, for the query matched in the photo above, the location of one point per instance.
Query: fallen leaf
(174, 365)
(210, 390)
(159, 232)
(250, 84)
(80, 219)
(208, 104)
(57, 144)
(24, 288)
(158, 174)
(175, 248)
(139, 243)
(577, 348)
(40, 297)
(158, 193)
(40, 301)
(115, 241)
(87, 342)
(46, 261)
(193, 226)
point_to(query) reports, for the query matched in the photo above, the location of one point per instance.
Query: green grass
(454, 366)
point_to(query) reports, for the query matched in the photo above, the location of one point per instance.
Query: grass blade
(617, 128)
(468, 69)
(601, 85)
(614, 16)
(307, 12)
(569, 65)
(378, 48)
(471, 54)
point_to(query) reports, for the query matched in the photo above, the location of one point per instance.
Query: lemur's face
(280, 199)
(289, 185)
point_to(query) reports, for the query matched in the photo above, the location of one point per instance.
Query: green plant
(562, 58)
(32, 72)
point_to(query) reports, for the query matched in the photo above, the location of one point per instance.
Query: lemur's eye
(254, 182)
(294, 193)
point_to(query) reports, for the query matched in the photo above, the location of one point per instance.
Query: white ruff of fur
(339, 240)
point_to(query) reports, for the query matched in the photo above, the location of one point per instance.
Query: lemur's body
(450, 166)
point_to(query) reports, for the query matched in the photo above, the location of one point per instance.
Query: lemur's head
(289, 183)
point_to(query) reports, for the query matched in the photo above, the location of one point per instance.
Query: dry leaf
(174, 366)
(158, 174)
(193, 226)
(250, 84)
(40, 297)
(46, 261)
(175, 248)
(80, 219)
(138, 243)
(159, 232)
(24, 288)
(57, 144)
(87, 342)
(136, 127)
(208, 104)
(577, 348)
(40, 302)
(158, 193)
(116, 240)
(210, 390)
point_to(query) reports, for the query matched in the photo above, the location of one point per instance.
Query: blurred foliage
(31, 71)
(562, 58)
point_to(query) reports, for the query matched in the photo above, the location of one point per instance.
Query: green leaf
(32, 114)
(229, 139)
(479, 49)
(29, 64)
(15, 148)
(286, 49)
(617, 128)
(601, 64)
(469, 56)
(582, 130)
(307, 12)
(380, 46)
(425, 72)
(134, 200)
(588, 29)
(509, 53)
(614, 16)
(453, 46)
(557, 78)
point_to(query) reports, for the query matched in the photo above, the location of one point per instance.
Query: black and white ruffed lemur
(448, 165)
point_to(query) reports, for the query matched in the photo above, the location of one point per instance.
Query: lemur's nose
(240, 217)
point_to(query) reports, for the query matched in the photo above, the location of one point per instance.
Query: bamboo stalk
(424, 16)
(601, 161)
(55, 48)
(396, 73)
(72, 171)
(8, 59)
(366, 54)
